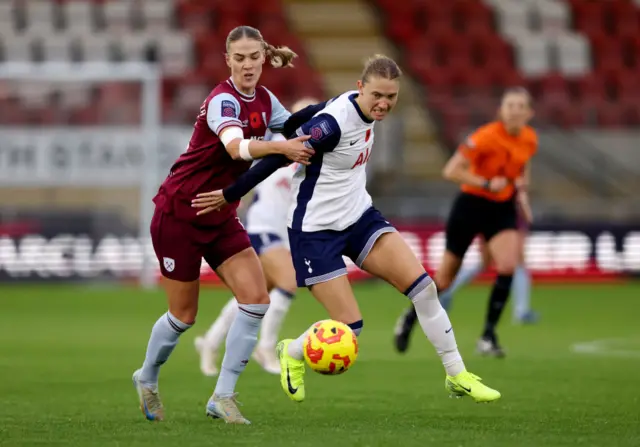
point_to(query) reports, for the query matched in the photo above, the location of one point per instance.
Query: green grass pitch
(67, 354)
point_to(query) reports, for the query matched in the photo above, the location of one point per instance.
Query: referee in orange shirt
(492, 167)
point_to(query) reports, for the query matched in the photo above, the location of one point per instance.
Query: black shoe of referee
(403, 329)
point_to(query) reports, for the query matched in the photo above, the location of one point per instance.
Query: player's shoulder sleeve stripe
(324, 130)
(279, 114)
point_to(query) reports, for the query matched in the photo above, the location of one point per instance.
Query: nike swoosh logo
(292, 390)
(468, 390)
(351, 143)
(448, 330)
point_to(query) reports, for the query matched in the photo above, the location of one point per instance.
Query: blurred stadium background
(98, 97)
(72, 154)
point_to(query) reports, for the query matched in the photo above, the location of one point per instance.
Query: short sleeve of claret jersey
(475, 144)
(223, 111)
(279, 115)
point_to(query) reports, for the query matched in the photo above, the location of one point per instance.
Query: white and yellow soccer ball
(331, 347)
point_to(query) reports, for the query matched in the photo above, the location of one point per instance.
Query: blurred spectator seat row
(173, 50)
(86, 16)
(580, 69)
(185, 37)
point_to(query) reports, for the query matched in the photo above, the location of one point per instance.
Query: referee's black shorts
(472, 215)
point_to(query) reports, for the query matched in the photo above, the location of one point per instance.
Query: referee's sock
(497, 302)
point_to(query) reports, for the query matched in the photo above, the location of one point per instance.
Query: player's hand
(497, 184)
(209, 201)
(521, 183)
(295, 150)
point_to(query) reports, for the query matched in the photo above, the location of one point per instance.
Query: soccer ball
(330, 347)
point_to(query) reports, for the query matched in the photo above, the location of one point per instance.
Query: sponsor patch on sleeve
(228, 109)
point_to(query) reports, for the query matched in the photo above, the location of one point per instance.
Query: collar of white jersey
(244, 96)
(352, 98)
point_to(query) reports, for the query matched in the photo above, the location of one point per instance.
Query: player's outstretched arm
(214, 200)
(325, 135)
(248, 150)
(223, 118)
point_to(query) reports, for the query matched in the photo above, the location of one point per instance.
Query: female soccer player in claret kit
(332, 215)
(227, 136)
(266, 223)
(492, 167)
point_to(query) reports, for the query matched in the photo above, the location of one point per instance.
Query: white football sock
(219, 329)
(164, 338)
(435, 323)
(272, 321)
(465, 276)
(521, 287)
(296, 346)
(241, 340)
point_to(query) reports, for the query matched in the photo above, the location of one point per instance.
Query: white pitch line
(608, 348)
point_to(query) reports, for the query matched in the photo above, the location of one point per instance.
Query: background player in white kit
(266, 223)
(332, 216)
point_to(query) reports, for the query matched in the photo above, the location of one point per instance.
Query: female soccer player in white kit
(266, 224)
(332, 215)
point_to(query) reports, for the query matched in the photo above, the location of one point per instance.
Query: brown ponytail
(279, 56)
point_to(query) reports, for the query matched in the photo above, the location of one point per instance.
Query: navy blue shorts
(261, 242)
(317, 255)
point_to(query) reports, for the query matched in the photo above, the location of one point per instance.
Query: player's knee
(442, 282)
(356, 327)
(287, 284)
(254, 296)
(423, 288)
(506, 265)
(185, 312)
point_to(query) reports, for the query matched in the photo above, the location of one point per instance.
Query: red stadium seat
(621, 18)
(565, 115)
(610, 115)
(607, 53)
(630, 113)
(403, 30)
(395, 8)
(627, 86)
(554, 84)
(421, 57)
(592, 90)
(588, 16)
(195, 17)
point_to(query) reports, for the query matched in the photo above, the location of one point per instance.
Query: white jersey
(330, 193)
(268, 212)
